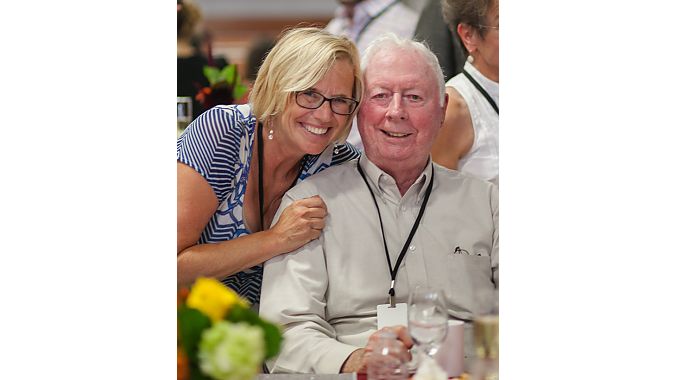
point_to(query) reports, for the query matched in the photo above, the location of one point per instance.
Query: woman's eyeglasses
(312, 100)
(497, 28)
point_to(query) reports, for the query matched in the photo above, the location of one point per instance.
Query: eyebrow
(341, 95)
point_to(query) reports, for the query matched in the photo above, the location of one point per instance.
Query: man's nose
(396, 108)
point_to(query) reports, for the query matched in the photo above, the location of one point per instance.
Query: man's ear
(468, 35)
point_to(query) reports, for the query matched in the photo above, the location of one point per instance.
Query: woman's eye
(310, 94)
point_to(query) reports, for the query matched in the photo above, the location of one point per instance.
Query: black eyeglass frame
(330, 100)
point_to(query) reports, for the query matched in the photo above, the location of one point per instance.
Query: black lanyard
(404, 249)
(482, 91)
(359, 34)
(260, 174)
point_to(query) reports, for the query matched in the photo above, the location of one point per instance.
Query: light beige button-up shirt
(325, 293)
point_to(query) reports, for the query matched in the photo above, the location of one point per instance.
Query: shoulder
(222, 123)
(450, 179)
(331, 156)
(344, 153)
(216, 138)
(456, 100)
(327, 181)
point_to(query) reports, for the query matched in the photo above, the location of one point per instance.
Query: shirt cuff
(334, 358)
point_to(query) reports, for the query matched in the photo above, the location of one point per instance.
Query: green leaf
(191, 323)
(239, 91)
(239, 313)
(272, 334)
(196, 373)
(228, 73)
(212, 74)
(273, 339)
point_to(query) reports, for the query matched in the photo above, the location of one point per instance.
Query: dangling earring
(271, 132)
(335, 148)
(470, 58)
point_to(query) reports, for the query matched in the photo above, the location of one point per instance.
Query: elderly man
(396, 221)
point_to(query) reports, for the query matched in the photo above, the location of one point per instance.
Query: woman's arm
(299, 223)
(456, 135)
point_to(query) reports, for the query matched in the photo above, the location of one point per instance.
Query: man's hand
(357, 361)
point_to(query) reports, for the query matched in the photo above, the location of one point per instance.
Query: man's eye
(415, 98)
(380, 96)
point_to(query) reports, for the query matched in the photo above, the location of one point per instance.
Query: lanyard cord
(482, 91)
(404, 249)
(361, 31)
(260, 174)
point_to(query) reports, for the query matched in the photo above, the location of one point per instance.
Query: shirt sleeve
(496, 235)
(210, 145)
(294, 296)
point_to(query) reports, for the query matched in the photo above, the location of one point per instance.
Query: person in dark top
(191, 61)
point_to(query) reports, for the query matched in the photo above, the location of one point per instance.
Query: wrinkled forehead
(399, 65)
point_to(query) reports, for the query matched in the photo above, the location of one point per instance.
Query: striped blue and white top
(218, 145)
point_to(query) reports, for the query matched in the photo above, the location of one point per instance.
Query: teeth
(396, 134)
(316, 131)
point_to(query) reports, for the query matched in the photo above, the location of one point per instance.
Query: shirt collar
(385, 184)
(373, 7)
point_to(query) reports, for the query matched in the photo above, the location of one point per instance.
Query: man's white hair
(390, 40)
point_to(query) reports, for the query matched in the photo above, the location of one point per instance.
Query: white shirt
(325, 293)
(482, 159)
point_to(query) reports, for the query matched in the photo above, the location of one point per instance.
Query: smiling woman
(235, 162)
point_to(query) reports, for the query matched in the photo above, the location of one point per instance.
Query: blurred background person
(468, 141)
(255, 58)
(441, 39)
(193, 51)
(363, 21)
(235, 162)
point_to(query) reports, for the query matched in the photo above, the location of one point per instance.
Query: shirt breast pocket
(469, 274)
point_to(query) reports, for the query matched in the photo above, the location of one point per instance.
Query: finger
(314, 201)
(403, 335)
(315, 212)
(313, 234)
(317, 224)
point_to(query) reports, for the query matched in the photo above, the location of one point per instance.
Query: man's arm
(496, 236)
(294, 295)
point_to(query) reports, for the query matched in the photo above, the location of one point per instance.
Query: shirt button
(412, 247)
(403, 208)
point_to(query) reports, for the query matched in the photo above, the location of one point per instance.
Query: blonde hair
(297, 62)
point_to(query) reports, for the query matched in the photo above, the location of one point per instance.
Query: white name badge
(392, 316)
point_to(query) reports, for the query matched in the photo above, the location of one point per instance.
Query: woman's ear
(468, 35)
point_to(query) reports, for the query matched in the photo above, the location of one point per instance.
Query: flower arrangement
(219, 337)
(225, 86)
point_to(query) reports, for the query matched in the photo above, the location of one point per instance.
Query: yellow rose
(212, 298)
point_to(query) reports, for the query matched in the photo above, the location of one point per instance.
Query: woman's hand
(299, 223)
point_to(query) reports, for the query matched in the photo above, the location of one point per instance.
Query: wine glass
(427, 318)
